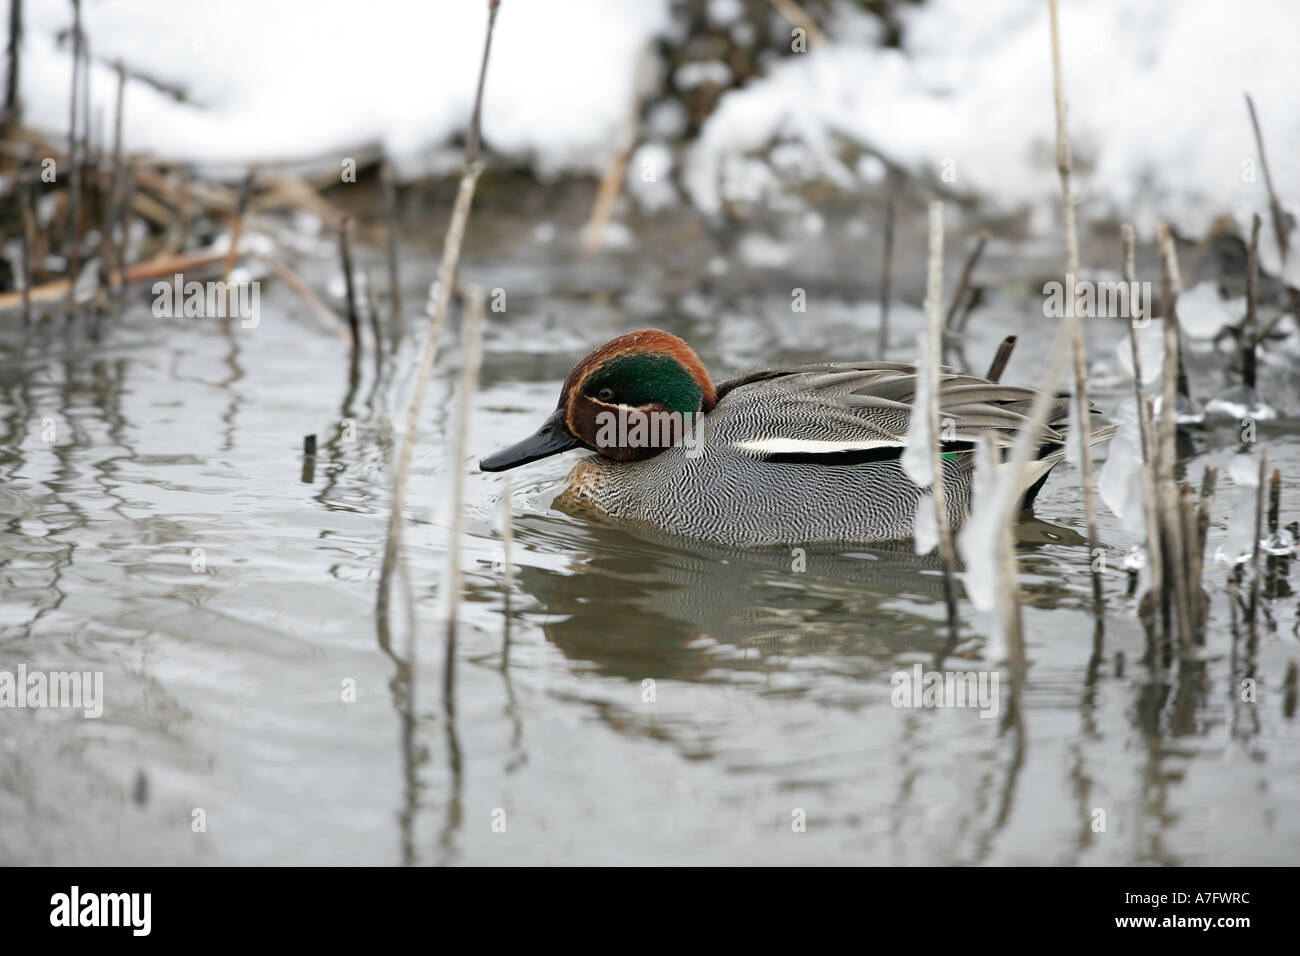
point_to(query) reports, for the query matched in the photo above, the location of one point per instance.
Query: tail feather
(1052, 455)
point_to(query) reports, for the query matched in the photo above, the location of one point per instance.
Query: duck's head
(620, 401)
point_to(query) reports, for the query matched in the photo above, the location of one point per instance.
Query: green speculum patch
(644, 378)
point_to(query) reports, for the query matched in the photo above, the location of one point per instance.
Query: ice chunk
(918, 455)
(978, 542)
(1151, 350)
(926, 531)
(1240, 402)
(1120, 483)
(1240, 544)
(1135, 558)
(1201, 313)
(1279, 542)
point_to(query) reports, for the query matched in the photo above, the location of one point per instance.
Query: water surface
(225, 686)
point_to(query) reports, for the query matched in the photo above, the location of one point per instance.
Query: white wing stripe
(806, 446)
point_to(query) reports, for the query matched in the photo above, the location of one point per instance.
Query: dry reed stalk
(390, 228)
(1252, 615)
(612, 181)
(1174, 547)
(1198, 523)
(24, 241)
(113, 251)
(1209, 483)
(376, 330)
(469, 375)
(507, 582)
(1026, 443)
(1000, 360)
(437, 318)
(73, 238)
(1276, 562)
(237, 225)
(1278, 214)
(1250, 329)
(286, 191)
(140, 272)
(304, 292)
(87, 151)
(126, 214)
(1291, 689)
(887, 265)
(473, 142)
(13, 99)
(1063, 165)
(960, 292)
(349, 281)
(934, 331)
(219, 201)
(178, 231)
(1146, 438)
(308, 460)
(1186, 505)
(798, 18)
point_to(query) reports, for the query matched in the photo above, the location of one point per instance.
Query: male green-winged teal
(794, 455)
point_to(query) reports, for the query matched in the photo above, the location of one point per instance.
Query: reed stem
(935, 331)
(1082, 405)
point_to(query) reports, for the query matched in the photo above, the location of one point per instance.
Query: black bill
(551, 439)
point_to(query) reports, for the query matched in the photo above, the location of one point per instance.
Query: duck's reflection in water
(639, 604)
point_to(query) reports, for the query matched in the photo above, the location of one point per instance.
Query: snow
(1157, 118)
(649, 177)
(1158, 124)
(285, 81)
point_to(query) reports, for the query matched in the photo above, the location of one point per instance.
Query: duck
(784, 456)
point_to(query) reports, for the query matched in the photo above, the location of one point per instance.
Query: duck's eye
(605, 394)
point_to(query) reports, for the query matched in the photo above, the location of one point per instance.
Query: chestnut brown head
(625, 401)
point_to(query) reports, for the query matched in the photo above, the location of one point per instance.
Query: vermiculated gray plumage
(809, 454)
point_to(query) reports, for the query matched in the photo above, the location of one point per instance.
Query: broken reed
(999, 363)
